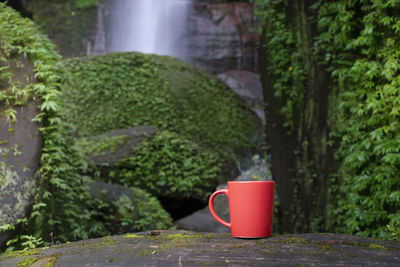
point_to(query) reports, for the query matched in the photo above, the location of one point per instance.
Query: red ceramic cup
(251, 207)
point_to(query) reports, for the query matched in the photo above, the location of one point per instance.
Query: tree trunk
(302, 160)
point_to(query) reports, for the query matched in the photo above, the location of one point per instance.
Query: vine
(361, 43)
(63, 209)
(358, 42)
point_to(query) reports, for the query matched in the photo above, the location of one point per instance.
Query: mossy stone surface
(181, 248)
(204, 128)
(122, 90)
(111, 147)
(128, 209)
(21, 142)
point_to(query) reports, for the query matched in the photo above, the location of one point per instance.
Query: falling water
(147, 26)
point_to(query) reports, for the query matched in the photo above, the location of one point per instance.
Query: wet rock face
(247, 86)
(221, 36)
(20, 150)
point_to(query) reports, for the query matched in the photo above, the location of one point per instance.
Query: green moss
(204, 126)
(295, 240)
(133, 236)
(21, 253)
(177, 237)
(168, 165)
(366, 245)
(51, 259)
(62, 191)
(27, 262)
(376, 246)
(160, 91)
(98, 147)
(326, 247)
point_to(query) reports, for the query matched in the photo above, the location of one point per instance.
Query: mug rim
(245, 182)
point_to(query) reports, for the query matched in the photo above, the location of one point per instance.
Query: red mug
(251, 208)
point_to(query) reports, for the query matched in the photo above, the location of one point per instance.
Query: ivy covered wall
(330, 77)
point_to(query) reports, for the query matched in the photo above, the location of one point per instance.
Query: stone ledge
(182, 248)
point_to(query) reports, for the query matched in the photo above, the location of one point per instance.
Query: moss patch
(21, 253)
(204, 127)
(131, 89)
(27, 262)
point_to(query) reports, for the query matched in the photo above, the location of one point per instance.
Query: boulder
(20, 150)
(247, 86)
(204, 128)
(222, 36)
(181, 248)
(128, 209)
(115, 145)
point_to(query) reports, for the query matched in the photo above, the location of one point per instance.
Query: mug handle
(211, 206)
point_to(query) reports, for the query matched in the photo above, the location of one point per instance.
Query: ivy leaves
(169, 166)
(365, 66)
(358, 41)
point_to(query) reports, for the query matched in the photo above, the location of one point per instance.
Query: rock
(128, 209)
(222, 36)
(113, 146)
(181, 248)
(20, 151)
(202, 221)
(247, 86)
(204, 128)
(215, 36)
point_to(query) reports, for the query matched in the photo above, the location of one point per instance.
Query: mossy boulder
(116, 145)
(128, 209)
(204, 127)
(20, 139)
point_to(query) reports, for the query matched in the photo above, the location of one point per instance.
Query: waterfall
(147, 26)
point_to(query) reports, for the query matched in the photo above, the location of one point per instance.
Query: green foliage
(362, 47)
(149, 211)
(66, 22)
(167, 166)
(99, 146)
(121, 90)
(286, 64)
(394, 229)
(63, 209)
(83, 4)
(132, 214)
(62, 205)
(358, 41)
(295, 112)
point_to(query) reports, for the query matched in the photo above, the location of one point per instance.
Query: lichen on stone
(16, 191)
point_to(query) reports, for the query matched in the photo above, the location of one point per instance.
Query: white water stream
(147, 26)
